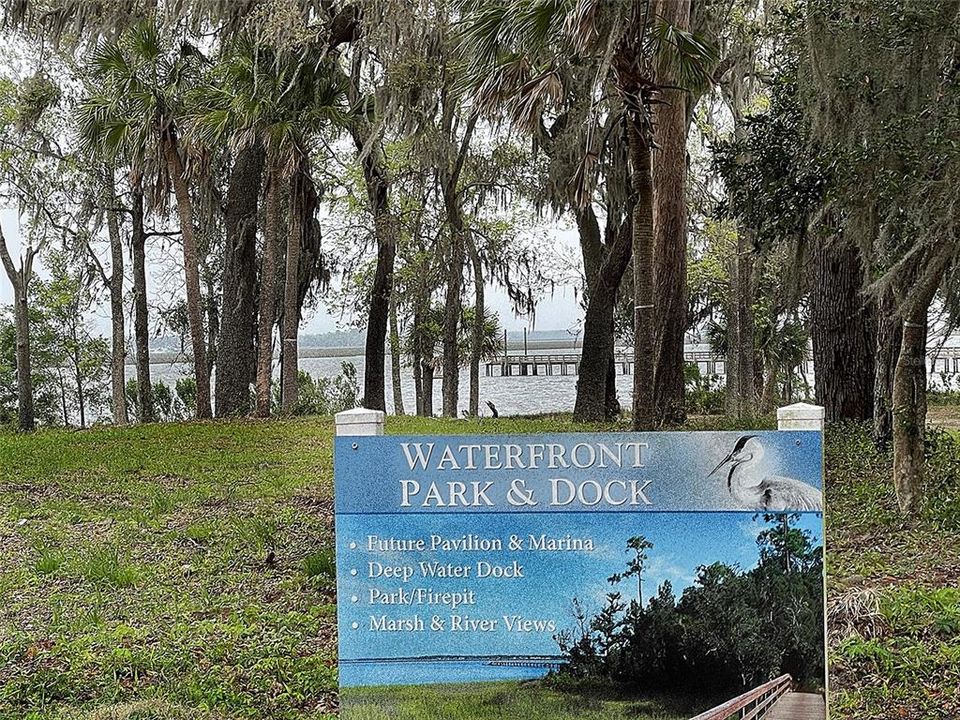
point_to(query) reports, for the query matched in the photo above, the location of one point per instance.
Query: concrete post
(360, 421)
(800, 416)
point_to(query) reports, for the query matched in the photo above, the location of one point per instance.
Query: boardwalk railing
(752, 705)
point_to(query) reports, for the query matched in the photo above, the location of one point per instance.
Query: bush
(168, 404)
(732, 629)
(947, 392)
(704, 394)
(324, 395)
(943, 477)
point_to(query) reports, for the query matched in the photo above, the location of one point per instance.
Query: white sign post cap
(800, 416)
(360, 421)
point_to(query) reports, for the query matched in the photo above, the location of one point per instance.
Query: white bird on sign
(770, 492)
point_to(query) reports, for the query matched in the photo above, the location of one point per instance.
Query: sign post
(468, 562)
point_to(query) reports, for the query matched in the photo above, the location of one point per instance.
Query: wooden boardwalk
(798, 706)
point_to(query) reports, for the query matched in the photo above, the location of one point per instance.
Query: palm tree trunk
(236, 351)
(289, 362)
(141, 329)
(643, 351)
(479, 312)
(670, 241)
(118, 345)
(268, 295)
(191, 266)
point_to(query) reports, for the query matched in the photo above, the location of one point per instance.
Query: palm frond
(691, 58)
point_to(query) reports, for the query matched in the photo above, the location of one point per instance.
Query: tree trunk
(118, 340)
(25, 410)
(268, 295)
(914, 293)
(597, 352)
(374, 381)
(479, 313)
(395, 357)
(141, 328)
(452, 306)
(236, 351)
(843, 327)
(78, 379)
(289, 361)
(378, 190)
(768, 393)
(596, 383)
(595, 358)
(191, 266)
(213, 322)
(457, 226)
(670, 238)
(20, 280)
(428, 373)
(909, 413)
(416, 357)
(641, 174)
(888, 341)
(741, 348)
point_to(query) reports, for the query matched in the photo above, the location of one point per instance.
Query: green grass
(184, 571)
(135, 580)
(497, 701)
(893, 597)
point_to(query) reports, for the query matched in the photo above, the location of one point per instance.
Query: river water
(407, 672)
(511, 395)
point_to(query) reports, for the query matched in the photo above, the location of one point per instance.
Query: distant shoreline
(168, 358)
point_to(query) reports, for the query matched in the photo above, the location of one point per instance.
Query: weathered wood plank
(799, 706)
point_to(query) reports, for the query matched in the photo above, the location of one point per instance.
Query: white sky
(559, 310)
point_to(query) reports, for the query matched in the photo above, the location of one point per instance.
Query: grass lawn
(503, 701)
(185, 571)
(893, 587)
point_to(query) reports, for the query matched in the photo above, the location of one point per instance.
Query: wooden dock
(773, 700)
(798, 706)
(529, 365)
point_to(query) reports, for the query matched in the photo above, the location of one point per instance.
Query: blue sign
(475, 559)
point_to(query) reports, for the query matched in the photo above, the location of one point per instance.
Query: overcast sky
(559, 310)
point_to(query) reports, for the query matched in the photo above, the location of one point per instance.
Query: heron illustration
(771, 492)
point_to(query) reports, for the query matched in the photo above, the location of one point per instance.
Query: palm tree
(136, 112)
(280, 98)
(527, 45)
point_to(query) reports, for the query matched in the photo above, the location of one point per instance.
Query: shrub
(324, 395)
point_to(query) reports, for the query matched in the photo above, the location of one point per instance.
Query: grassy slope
(180, 571)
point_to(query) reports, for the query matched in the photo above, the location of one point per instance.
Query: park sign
(471, 563)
